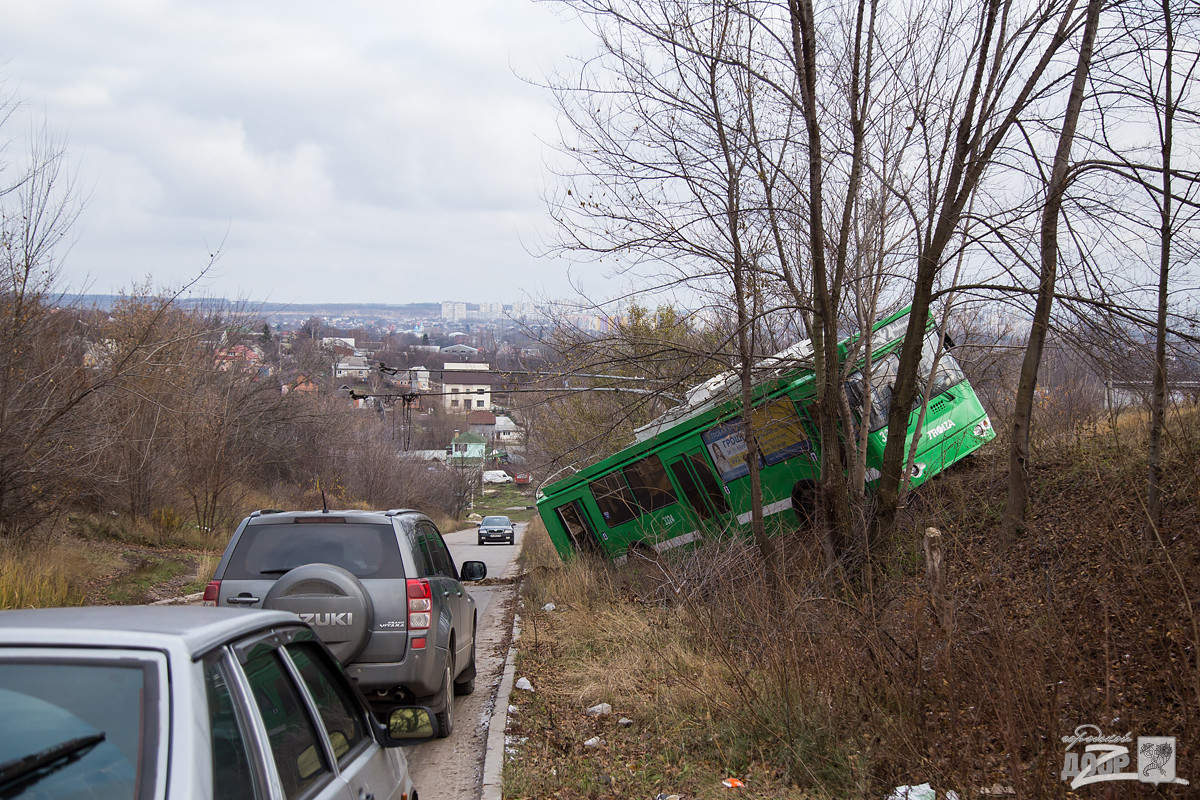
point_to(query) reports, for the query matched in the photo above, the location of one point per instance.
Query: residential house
(353, 367)
(505, 433)
(467, 449)
(240, 357)
(300, 383)
(482, 422)
(466, 388)
(414, 378)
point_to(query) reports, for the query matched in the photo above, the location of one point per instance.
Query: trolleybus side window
(614, 499)
(651, 487)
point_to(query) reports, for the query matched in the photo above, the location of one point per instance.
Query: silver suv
(145, 703)
(379, 587)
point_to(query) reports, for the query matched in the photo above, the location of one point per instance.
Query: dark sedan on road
(496, 529)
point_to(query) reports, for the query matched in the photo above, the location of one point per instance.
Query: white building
(354, 367)
(453, 311)
(466, 387)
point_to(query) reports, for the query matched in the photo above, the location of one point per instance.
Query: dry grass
(48, 573)
(805, 689)
(602, 644)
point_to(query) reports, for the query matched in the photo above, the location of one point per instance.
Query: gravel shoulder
(452, 768)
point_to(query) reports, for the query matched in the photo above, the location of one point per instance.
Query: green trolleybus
(687, 474)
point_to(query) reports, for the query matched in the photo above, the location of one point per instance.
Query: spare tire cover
(330, 599)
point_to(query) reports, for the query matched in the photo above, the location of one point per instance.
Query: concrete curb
(185, 600)
(495, 755)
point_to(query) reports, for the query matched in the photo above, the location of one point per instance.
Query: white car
(497, 476)
(155, 702)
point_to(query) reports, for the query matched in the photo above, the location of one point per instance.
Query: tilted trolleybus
(687, 472)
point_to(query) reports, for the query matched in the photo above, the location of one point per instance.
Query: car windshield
(496, 522)
(368, 550)
(77, 727)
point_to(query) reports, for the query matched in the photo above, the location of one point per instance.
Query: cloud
(343, 151)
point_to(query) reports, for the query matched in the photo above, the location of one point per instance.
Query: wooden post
(935, 574)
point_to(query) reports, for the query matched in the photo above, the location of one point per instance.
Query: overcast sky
(379, 151)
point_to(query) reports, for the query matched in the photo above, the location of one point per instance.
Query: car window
(443, 562)
(338, 709)
(106, 710)
(299, 758)
(419, 541)
(232, 775)
(268, 550)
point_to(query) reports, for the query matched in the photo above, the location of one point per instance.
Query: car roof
(197, 629)
(269, 516)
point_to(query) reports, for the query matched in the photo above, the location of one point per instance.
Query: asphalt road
(452, 768)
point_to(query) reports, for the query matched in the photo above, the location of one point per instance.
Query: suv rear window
(268, 550)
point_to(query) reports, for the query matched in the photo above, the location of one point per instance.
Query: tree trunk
(1018, 488)
(1158, 407)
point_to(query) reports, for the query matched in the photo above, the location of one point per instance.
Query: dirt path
(126, 559)
(452, 768)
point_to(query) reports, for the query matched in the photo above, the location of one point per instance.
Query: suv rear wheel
(467, 684)
(445, 717)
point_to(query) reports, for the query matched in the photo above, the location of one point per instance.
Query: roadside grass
(816, 688)
(165, 527)
(106, 559)
(601, 645)
(42, 573)
(205, 568)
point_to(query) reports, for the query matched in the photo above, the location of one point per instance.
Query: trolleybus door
(575, 522)
(703, 491)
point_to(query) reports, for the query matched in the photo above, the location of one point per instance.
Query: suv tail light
(420, 604)
(211, 592)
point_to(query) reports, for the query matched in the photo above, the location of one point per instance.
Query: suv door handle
(242, 600)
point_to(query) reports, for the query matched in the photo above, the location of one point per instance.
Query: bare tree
(41, 383)
(1055, 189)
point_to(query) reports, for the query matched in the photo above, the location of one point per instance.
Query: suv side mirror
(473, 571)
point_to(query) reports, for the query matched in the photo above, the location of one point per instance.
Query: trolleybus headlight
(983, 427)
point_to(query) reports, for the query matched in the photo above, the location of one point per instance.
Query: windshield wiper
(19, 768)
